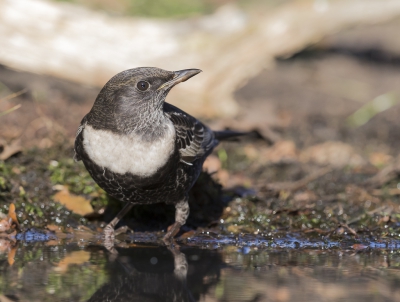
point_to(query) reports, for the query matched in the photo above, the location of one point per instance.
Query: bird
(142, 150)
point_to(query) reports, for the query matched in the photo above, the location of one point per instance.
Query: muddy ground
(320, 165)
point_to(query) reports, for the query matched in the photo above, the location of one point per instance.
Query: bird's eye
(142, 85)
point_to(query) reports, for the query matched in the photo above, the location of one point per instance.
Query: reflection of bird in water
(141, 150)
(159, 274)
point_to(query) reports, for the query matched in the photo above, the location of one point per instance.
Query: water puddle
(205, 267)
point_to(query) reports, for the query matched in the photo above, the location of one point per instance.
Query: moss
(26, 182)
(68, 173)
(155, 8)
(168, 8)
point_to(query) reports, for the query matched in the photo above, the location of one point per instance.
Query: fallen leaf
(336, 154)
(281, 152)
(52, 243)
(282, 294)
(251, 152)
(379, 159)
(82, 232)
(339, 231)
(16, 170)
(284, 194)
(187, 234)
(11, 256)
(10, 149)
(5, 246)
(305, 196)
(12, 215)
(53, 227)
(212, 164)
(385, 219)
(5, 224)
(59, 187)
(223, 177)
(74, 203)
(360, 195)
(3, 298)
(316, 230)
(233, 229)
(359, 246)
(77, 257)
(84, 228)
(383, 192)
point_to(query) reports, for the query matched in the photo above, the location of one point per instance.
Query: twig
(390, 192)
(10, 110)
(296, 185)
(385, 175)
(349, 229)
(9, 97)
(11, 149)
(358, 218)
(14, 95)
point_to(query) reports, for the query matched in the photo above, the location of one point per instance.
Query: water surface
(84, 271)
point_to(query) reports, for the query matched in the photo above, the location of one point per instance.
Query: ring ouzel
(140, 149)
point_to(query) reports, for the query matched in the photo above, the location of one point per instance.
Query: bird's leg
(180, 264)
(181, 214)
(108, 231)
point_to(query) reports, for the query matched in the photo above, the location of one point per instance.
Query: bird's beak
(180, 76)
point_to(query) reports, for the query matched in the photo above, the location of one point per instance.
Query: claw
(108, 232)
(174, 229)
(109, 235)
(122, 230)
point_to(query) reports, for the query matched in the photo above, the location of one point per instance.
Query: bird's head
(135, 94)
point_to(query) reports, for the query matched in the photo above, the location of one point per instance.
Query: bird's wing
(194, 139)
(77, 141)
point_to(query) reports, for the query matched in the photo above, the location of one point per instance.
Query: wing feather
(194, 139)
(77, 142)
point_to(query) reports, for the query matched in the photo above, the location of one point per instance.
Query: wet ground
(307, 209)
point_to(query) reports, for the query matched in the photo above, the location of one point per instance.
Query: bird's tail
(228, 134)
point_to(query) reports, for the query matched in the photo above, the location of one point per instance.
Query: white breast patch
(122, 154)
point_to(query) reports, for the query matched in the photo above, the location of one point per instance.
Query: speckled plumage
(127, 117)
(171, 182)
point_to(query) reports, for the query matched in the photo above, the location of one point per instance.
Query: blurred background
(310, 71)
(316, 81)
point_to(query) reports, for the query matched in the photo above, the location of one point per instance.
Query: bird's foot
(122, 230)
(109, 232)
(173, 230)
(109, 236)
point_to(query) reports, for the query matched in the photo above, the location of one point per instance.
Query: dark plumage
(140, 149)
